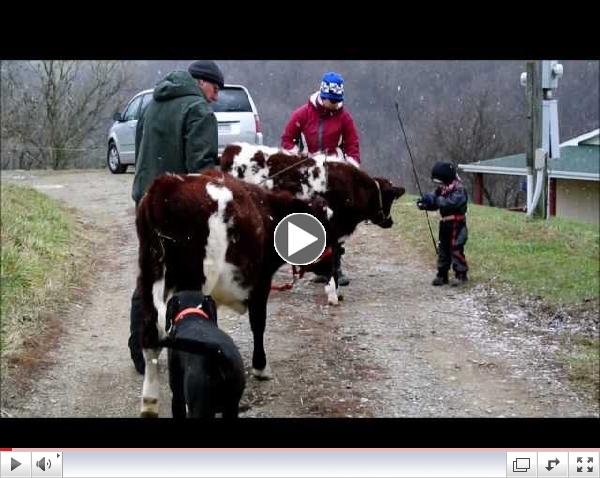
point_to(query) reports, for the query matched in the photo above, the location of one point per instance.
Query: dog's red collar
(189, 310)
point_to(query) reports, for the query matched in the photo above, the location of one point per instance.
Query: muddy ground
(395, 347)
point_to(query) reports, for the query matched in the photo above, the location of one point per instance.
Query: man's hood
(176, 84)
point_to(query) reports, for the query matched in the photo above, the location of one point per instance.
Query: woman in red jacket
(322, 125)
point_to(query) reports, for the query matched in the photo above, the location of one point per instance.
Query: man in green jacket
(177, 133)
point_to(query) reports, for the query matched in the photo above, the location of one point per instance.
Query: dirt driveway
(396, 347)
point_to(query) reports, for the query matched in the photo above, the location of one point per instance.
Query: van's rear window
(232, 100)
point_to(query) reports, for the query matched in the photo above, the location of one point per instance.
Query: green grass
(36, 237)
(557, 260)
(583, 366)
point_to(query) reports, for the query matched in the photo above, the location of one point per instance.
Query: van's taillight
(258, 126)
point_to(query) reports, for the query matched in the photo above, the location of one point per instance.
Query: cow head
(386, 195)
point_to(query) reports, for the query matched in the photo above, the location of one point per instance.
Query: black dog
(206, 371)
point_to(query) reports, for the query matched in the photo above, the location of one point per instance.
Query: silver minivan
(236, 113)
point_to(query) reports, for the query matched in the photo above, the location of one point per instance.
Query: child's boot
(441, 278)
(461, 278)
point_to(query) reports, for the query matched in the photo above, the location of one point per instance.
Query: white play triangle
(298, 239)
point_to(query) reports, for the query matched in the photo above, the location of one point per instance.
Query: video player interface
(299, 463)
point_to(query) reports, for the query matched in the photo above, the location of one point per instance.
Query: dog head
(188, 300)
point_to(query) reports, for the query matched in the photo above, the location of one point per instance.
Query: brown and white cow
(212, 233)
(274, 169)
(352, 194)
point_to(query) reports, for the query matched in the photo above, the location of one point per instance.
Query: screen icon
(521, 463)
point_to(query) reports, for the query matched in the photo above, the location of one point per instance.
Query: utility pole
(541, 79)
(534, 116)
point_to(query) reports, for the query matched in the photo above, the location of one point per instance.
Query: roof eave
(472, 168)
(574, 175)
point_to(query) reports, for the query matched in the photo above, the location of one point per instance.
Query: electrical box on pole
(541, 79)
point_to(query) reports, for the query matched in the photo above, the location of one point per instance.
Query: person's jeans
(136, 319)
(135, 331)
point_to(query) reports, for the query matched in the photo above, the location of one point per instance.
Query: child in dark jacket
(450, 198)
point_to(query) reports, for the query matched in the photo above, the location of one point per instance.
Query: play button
(14, 464)
(299, 239)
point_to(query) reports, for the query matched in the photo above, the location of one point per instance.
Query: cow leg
(257, 310)
(154, 299)
(337, 271)
(151, 351)
(150, 389)
(151, 263)
(331, 289)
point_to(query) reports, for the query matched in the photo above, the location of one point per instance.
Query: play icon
(299, 239)
(15, 464)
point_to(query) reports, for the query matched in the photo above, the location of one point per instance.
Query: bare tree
(478, 130)
(446, 92)
(52, 109)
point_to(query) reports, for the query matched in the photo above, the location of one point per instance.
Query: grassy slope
(41, 253)
(556, 260)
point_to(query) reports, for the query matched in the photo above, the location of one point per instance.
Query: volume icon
(43, 463)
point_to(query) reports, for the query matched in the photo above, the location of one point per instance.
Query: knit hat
(207, 70)
(444, 172)
(332, 87)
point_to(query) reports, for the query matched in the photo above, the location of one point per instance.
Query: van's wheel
(113, 160)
